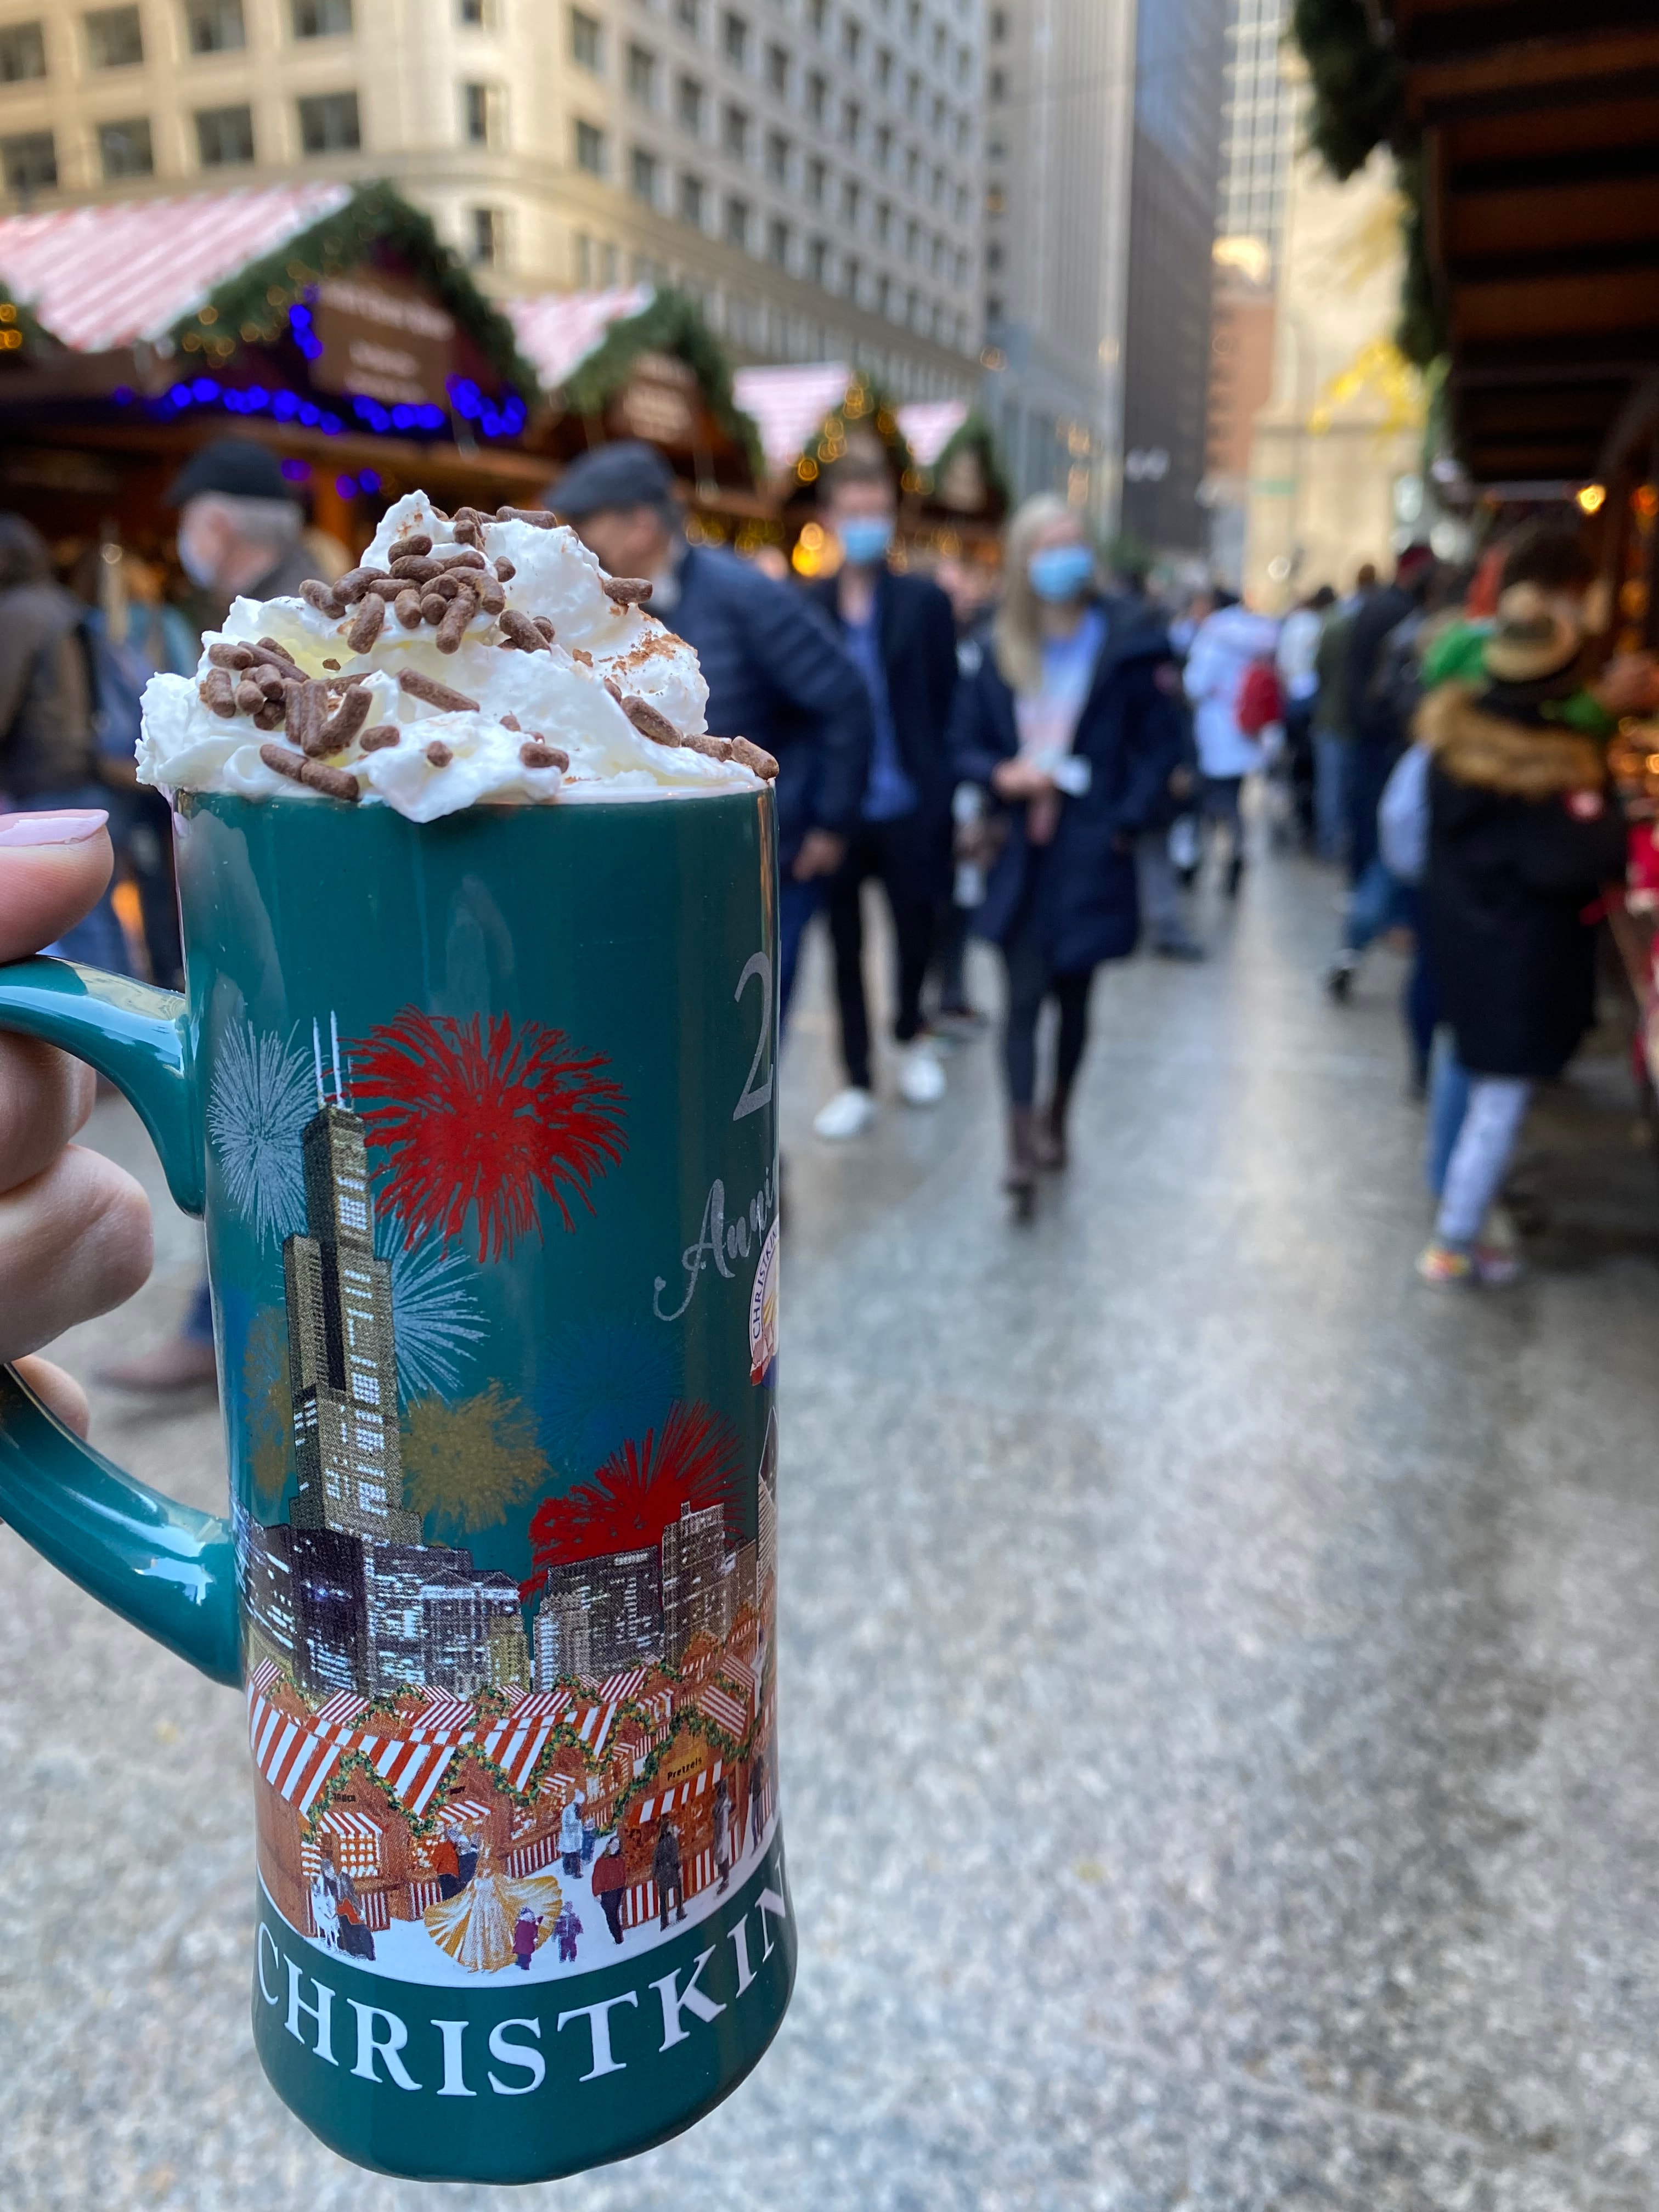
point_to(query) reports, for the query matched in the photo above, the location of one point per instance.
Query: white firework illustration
(435, 1318)
(263, 1093)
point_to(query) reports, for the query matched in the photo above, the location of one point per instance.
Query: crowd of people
(1048, 770)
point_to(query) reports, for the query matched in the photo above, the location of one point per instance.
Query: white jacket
(1227, 642)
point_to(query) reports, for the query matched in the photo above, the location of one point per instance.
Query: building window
(481, 114)
(737, 40)
(777, 71)
(816, 177)
(912, 94)
(883, 147)
(885, 71)
(487, 237)
(322, 19)
(818, 17)
(590, 149)
(817, 260)
(114, 40)
(998, 25)
(224, 136)
(884, 222)
(777, 242)
(851, 198)
(124, 148)
(688, 103)
(777, 157)
(22, 53)
(852, 41)
(643, 171)
(852, 122)
(912, 19)
(851, 275)
(912, 238)
(817, 96)
(692, 201)
(29, 161)
(215, 27)
(912, 170)
(642, 77)
(735, 134)
(936, 188)
(994, 308)
(584, 260)
(586, 33)
(938, 118)
(996, 85)
(328, 123)
(475, 14)
(736, 222)
(884, 296)
(687, 14)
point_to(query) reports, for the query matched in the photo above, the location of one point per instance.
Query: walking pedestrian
(48, 744)
(665, 1872)
(609, 1885)
(566, 1928)
(775, 671)
(1230, 644)
(1332, 728)
(1297, 660)
(1371, 709)
(722, 1810)
(1072, 725)
(570, 1839)
(238, 537)
(900, 631)
(525, 1929)
(1525, 830)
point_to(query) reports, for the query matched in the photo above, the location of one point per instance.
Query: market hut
(639, 362)
(330, 322)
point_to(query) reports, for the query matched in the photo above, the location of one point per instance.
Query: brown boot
(1051, 1132)
(1020, 1179)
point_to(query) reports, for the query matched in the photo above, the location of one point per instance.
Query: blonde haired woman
(1072, 725)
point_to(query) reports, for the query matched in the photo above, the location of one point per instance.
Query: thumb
(53, 869)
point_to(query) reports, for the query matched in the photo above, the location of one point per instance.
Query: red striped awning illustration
(722, 1708)
(619, 1688)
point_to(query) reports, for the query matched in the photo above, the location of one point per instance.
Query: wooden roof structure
(1540, 132)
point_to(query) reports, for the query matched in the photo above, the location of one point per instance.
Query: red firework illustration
(467, 1119)
(639, 1491)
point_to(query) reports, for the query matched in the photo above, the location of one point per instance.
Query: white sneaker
(921, 1078)
(848, 1113)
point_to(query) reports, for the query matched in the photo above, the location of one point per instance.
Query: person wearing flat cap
(776, 672)
(1525, 835)
(238, 537)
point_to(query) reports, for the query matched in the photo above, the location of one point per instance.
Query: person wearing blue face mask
(901, 632)
(1071, 725)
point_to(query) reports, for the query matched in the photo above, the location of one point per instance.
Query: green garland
(1359, 104)
(672, 323)
(863, 403)
(251, 307)
(16, 321)
(977, 436)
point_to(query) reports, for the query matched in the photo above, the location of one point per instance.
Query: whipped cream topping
(458, 696)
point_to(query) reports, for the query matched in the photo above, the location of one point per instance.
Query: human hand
(75, 1230)
(1020, 778)
(1629, 685)
(820, 854)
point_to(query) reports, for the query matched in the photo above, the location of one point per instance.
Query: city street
(1218, 1675)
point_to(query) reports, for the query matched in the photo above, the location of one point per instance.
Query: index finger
(53, 869)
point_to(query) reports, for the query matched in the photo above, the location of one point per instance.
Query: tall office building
(1258, 124)
(698, 1578)
(1102, 123)
(1180, 51)
(811, 168)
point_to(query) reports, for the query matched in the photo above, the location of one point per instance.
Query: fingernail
(70, 828)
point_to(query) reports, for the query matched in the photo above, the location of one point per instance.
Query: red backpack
(1260, 700)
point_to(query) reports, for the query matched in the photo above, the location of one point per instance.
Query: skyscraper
(697, 1575)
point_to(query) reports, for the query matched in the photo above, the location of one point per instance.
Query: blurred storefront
(329, 323)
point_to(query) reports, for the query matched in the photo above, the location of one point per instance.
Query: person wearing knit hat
(1525, 831)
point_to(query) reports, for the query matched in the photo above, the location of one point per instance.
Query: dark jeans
(610, 1904)
(950, 957)
(1298, 746)
(1380, 902)
(887, 851)
(1369, 767)
(1030, 980)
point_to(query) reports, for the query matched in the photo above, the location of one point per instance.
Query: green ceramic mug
(480, 1116)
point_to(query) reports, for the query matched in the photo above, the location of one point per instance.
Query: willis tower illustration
(346, 1596)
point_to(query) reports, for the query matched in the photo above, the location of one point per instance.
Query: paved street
(1218, 1679)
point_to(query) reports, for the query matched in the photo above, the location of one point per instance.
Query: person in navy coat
(899, 630)
(1071, 727)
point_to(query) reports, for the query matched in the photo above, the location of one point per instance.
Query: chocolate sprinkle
(434, 607)
(649, 721)
(521, 630)
(366, 627)
(717, 749)
(627, 590)
(280, 652)
(320, 596)
(534, 753)
(452, 629)
(334, 783)
(356, 581)
(407, 607)
(754, 757)
(249, 697)
(511, 722)
(416, 570)
(407, 547)
(439, 753)
(539, 518)
(377, 739)
(545, 626)
(505, 570)
(441, 696)
(344, 724)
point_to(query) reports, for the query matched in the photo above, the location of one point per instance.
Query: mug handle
(168, 1569)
